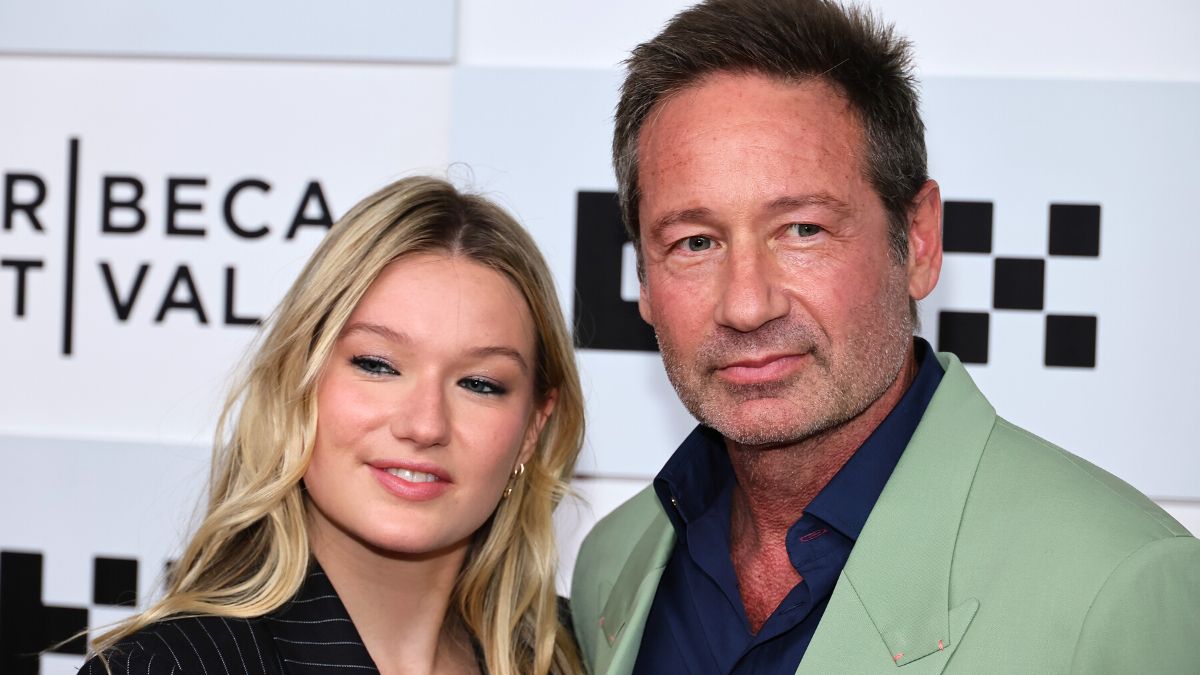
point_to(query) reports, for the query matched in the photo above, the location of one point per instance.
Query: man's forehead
(720, 103)
(735, 119)
(732, 84)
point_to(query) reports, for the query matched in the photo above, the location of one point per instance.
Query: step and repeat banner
(167, 172)
(1067, 280)
(154, 213)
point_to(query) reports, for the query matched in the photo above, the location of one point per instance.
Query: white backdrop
(291, 121)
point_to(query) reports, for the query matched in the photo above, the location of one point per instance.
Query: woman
(385, 474)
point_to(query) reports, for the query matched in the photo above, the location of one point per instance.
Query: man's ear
(643, 299)
(537, 422)
(644, 302)
(925, 241)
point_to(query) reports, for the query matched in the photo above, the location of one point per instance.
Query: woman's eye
(805, 229)
(373, 365)
(479, 385)
(697, 243)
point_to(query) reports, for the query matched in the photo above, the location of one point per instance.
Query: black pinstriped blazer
(311, 634)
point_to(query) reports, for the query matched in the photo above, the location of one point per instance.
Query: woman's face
(425, 408)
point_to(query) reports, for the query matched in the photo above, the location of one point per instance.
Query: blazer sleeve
(1146, 617)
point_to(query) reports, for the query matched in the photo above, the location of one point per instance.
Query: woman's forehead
(447, 299)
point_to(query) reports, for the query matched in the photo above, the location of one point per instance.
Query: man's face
(768, 280)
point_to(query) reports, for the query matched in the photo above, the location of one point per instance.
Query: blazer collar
(624, 616)
(899, 570)
(896, 584)
(313, 634)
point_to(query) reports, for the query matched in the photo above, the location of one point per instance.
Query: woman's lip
(760, 370)
(416, 467)
(408, 490)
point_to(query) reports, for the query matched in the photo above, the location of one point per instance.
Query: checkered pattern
(1020, 283)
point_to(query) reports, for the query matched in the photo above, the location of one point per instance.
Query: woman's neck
(399, 605)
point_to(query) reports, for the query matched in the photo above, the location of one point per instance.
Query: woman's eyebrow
(376, 329)
(397, 337)
(501, 350)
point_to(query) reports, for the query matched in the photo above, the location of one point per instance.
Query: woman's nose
(422, 415)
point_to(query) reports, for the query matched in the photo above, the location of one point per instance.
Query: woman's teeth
(413, 476)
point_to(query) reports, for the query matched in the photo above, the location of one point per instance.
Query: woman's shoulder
(187, 645)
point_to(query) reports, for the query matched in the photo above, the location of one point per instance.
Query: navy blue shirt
(697, 623)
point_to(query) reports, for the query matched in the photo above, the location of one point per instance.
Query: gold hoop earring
(512, 480)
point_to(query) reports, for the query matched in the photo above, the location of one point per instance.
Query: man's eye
(373, 365)
(805, 229)
(479, 385)
(697, 243)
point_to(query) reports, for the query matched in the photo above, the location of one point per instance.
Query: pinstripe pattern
(311, 634)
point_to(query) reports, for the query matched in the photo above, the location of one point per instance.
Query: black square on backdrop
(967, 227)
(603, 319)
(965, 334)
(1019, 283)
(1070, 341)
(27, 626)
(59, 623)
(1075, 229)
(114, 582)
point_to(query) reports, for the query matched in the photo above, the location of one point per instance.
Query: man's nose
(422, 414)
(750, 293)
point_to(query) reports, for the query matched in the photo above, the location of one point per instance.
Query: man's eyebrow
(815, 199)
(703, 215)
(695, 215)
(481, 352)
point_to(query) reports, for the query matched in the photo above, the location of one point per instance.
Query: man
(850, 502)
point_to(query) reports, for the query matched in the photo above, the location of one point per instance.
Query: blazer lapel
(624, 616)
(891, 606)
(313, 634)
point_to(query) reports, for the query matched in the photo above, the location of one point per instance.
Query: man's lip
(756, 361)
(418, 467)
(759, 369)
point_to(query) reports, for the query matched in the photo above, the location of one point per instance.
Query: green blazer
(989, 551)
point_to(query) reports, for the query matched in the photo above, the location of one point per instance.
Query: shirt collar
(693, 477)
(699, 470)
(847, 500)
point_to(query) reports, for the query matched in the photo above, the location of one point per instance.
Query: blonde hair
(251, 551)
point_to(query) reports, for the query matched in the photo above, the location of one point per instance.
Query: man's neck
(775, 485)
